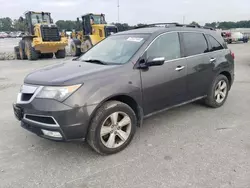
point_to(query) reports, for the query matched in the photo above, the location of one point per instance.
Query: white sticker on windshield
(134, 39)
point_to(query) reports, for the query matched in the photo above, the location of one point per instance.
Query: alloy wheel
(220, 91)
(115, 130)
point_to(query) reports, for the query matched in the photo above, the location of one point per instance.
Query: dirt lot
(187, 147)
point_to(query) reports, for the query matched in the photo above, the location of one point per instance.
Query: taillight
(232, 54)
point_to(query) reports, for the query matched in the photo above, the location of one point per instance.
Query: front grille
(50, 33)
(26, 97)
(41, 119)
(109, 30)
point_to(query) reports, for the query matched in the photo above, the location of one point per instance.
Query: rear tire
(17, 53)
(116, 133)
(218, 93)
(32, 54)
(74, 51)
(60, 54)
(22, 50)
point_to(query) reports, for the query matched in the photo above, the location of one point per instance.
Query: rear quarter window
(214, 44)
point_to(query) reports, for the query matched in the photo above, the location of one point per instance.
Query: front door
(164, 85)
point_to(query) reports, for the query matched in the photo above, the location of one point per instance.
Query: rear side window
(167, 46)
(194, 44)
(215, 45)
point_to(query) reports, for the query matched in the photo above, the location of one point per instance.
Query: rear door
(199, 67)
(217, 51)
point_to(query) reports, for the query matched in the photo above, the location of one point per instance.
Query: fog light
(52, 133)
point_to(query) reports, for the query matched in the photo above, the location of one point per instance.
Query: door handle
(179, 68)
(212, 60)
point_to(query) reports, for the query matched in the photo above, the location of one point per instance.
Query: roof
(35, 12)
(92, 14)
(159, 30)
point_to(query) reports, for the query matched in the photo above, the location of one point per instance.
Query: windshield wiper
(95, 61)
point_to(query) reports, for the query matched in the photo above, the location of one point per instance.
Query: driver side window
(167, 45)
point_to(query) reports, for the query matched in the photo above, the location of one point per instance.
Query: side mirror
(155, 61)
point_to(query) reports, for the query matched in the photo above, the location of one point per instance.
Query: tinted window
(215, 45)
(167, 46)
(194, 43)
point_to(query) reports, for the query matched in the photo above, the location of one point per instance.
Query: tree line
(229, 25)
(7, 24)
(69, 25)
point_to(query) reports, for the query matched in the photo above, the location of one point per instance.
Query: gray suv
(106, 93)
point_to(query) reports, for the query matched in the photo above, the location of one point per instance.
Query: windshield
(98, 19)
(38, 18)
(115, 49)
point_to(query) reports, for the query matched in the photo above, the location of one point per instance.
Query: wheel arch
(228, 75)
(124, 98)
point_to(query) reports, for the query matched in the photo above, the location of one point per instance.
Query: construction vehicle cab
(43, 38)
(92, 28)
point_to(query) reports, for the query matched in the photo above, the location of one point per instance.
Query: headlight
(57, 93)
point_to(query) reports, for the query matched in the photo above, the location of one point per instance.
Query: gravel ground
(188, 147)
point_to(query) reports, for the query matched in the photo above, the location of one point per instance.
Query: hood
(67, 73)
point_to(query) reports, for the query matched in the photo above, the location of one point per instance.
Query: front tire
(218, 93)
(31, 53)
(112, 128)
(60, 54)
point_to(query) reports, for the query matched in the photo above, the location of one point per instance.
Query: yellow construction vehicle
(43, 38)
(92, 29)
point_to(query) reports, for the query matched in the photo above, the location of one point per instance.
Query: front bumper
(43, 115)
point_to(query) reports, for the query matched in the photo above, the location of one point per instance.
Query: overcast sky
(135, 11)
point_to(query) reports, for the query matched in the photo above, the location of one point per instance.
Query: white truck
(237, 36)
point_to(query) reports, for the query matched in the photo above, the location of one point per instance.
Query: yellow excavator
(43, 39)
(92, 29)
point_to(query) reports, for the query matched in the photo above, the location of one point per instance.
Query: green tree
(6, 24)
(213, 24)
(68, 25)
(229, 25)
(194, 23)
(19, 26)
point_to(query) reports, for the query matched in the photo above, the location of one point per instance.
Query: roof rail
(174, 24)
(158, 25)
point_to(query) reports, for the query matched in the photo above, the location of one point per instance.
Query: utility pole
(118, 10)
(183, 20)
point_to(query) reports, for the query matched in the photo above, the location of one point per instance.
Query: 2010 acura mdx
(106, 93)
